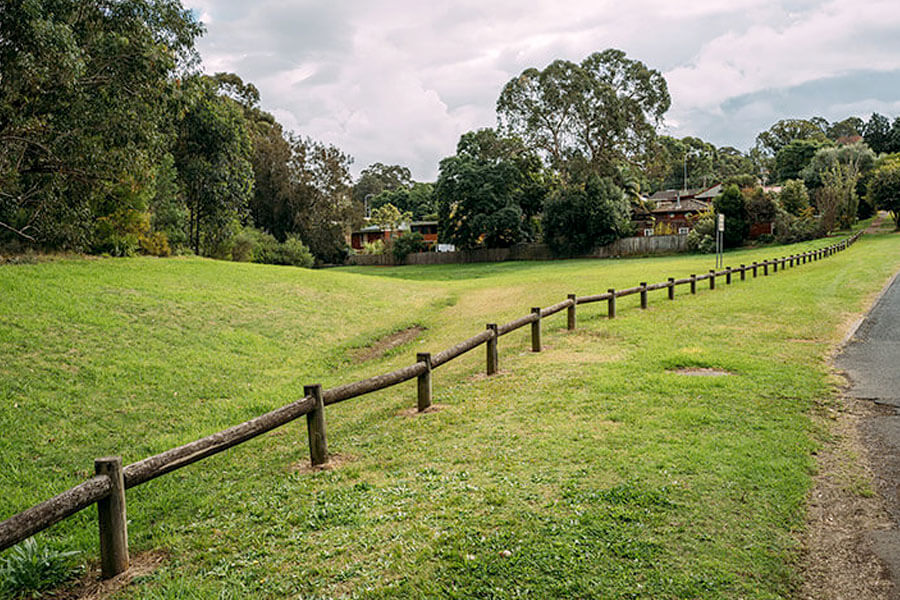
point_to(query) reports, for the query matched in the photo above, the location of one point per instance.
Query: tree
(794, 196)
(212, 156)
(390, 218)
(594, 115)
(488, 193)
(858, 153)
(731, 204)
(760, 206)
(785, 131)
(581, 217)
(884, 188)
(847, 129)
(794, 157)
(376, 179)
(837, 200)
(85, 112)
(880, 135)
(418, 200)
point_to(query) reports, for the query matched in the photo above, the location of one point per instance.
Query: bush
(253, 245)
(702, 238)
(794, 196)
(376, 247)
(406, 245)
(797, 228)
(731, 203)
(155, 244)
(30, 568)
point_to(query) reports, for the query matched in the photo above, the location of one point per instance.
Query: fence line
(107, 487)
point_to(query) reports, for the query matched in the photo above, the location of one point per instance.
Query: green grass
(589, 470)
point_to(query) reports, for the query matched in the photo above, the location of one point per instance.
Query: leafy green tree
(84, 112)
(794, 156)
(378, 178)
(782, 133)
(731, 204)
(488, 192)
(389, 217)
(417, 200)
(594, 115)
(760, 205)
(882, 135)
(794, 196)
(858, 154)
(579, 218)
(837, 200)
(884, 187)
(846, 129)
(215, 174)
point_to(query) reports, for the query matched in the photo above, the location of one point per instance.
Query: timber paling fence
(111, 479)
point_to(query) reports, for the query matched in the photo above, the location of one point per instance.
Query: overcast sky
(398, 81)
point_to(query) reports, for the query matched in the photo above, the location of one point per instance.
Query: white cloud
(398, 81)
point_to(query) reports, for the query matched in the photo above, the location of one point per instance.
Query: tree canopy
(590, 116)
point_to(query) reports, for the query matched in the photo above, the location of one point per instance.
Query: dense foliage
(731, 204)
(579, 218)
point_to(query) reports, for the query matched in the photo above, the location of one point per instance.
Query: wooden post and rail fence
(107, 487)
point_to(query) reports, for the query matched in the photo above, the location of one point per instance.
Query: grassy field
(590, 470)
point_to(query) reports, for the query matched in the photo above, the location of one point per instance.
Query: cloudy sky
(398, 81)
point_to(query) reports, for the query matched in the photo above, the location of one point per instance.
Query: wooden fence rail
(107, 487)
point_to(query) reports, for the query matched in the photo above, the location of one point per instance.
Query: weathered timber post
(611, 303)
(712, 279)
(493, 356)
(644, 295)
(570, 314)
(791, 261)
(693, 283)
(765, 266)
(755, 265)
(727, 275)
(536, 329)
(775, 266)
(743, 272)
(424, 382)
(671, 288)
(315, 426)
(112, 519)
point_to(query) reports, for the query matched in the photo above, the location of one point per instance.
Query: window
(648, 232)
(684, 230)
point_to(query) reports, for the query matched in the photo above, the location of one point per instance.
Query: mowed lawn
(591, 470)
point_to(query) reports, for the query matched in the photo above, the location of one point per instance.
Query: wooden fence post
(112, 519)
(570, 313)
(712, 279)
(693, 283)
(315, 426)
(536, 329)
(493, 356)
(644, 295)
(671, 288)
(743, 272)
(611, 303)
(791, 259)
(775, 266)
(755, 265)
(727, 275)
(765, 266)
(424, 382)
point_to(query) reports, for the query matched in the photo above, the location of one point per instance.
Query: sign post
(720, 241)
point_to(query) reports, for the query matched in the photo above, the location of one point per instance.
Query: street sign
(721, 222)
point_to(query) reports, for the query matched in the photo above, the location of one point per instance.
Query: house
(373, 233)
(671, 212)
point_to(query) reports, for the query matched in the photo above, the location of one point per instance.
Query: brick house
(373, 233)
(671, 212)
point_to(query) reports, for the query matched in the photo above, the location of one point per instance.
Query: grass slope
(587, 471)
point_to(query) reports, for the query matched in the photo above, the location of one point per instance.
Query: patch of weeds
(32, 567)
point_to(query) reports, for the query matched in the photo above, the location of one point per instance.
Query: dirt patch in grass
(91, 587)
(335, 461)
(838, 558)
(701, 372)
(385, 344)
(414, 411)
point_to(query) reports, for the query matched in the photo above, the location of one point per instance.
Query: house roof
(686, 205)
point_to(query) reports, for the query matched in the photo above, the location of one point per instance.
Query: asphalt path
(872, 357)
(871, 361)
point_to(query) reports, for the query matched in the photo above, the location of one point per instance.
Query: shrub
(30, 568)
(376, 247)
(797, 228)
(243, 244)
(294, 252)
(794, 196)
(407, 244)
(155, 243)
(702, 238)
(731, 203)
